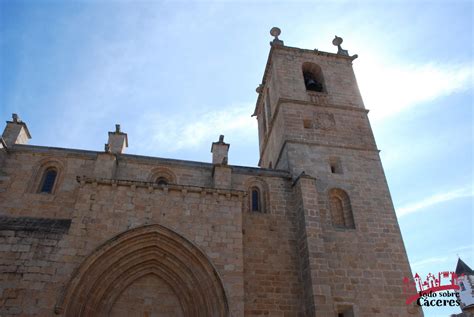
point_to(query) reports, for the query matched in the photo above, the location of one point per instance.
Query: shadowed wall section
(136, 256)
(147, 296)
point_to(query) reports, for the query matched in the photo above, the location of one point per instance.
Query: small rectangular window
(335, 165)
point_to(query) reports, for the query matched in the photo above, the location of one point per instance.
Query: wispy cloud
(387, 89)
(391, 88)
(468, 247)
(443, 262)
(392, 83)
(429, 261)
(435, 199)
(195, 130)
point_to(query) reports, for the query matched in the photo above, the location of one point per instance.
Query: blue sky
(175, 75)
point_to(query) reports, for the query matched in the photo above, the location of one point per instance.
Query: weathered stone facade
(312, 232)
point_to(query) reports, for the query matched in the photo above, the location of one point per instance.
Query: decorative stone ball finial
(275, 32)
(337, 42)
(15, 118)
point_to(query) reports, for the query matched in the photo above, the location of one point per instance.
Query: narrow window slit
(335, 165)
(255, 200)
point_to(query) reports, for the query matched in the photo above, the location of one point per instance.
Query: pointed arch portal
(149, 251)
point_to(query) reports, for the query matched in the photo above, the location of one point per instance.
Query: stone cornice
(141, 159)
(345, 147)
(302, 175)
(151, 186)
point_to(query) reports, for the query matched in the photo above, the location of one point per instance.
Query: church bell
(312, 84)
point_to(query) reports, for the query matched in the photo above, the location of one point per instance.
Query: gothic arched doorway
(148, 268)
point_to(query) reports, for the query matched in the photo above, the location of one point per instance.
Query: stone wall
(47, 238)
(148, 296)
(271, 263)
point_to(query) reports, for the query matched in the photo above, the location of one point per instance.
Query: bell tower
(309, 103)
(313, 123)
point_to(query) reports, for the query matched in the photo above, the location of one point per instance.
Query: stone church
(311, 232)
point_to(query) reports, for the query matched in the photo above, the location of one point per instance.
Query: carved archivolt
(153, 249)
(162, 172)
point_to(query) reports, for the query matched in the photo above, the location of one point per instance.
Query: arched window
(337, 212)
(255, 200)
(47, 176)
(48, 180)
(162, 181)
(313, 78)
(257, 193)
(340, 208)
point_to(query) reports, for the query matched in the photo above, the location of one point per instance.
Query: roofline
(249, 170)
(463, 268)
